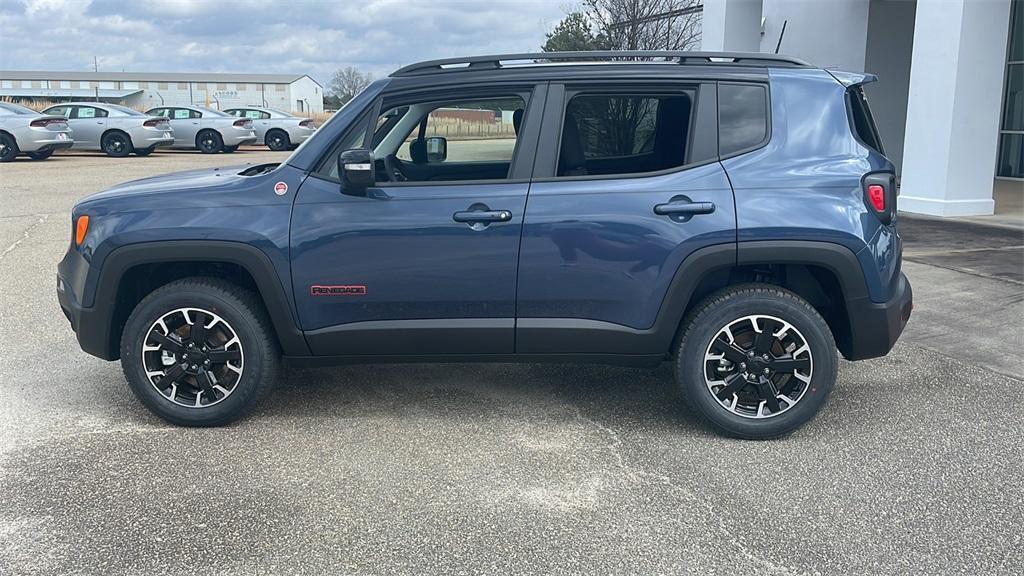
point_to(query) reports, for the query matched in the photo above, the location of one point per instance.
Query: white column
(731, 26)
(956, 86)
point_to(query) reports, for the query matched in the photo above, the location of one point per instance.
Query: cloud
(312, 37)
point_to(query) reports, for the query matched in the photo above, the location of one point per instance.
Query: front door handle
(482, 216)
(684, 208)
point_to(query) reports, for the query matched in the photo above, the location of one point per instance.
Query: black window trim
(848, 97)
(532, 93)
(704, 89)
(767, 117)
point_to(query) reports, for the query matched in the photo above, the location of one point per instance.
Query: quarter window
(605, 134)
(742, 117)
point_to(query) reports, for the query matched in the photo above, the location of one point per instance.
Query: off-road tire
(240, 308)
(718, 310)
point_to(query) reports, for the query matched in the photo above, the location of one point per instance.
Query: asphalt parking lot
(916, 466)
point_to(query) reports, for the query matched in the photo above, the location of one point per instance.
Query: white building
(293, 92)
(950, 98)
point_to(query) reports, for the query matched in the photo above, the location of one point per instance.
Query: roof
(153, 76)
(65, 93)
(635, 57)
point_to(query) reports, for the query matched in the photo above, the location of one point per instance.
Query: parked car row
(119, 131)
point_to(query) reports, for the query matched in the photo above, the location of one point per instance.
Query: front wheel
(199, 352)
(43, 155)
(116, 145)
(757, 361)
(209, 142)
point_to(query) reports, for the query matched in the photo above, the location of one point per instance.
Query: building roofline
(71, 75)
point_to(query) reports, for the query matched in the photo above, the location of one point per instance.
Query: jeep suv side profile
(733, 214)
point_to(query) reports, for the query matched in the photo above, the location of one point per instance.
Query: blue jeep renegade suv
(733, 214)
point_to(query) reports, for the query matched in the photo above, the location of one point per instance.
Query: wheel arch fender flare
(110, 131)
(836, 258)
(274, 295)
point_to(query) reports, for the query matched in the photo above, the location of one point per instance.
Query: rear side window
(625, 133)
(89, 112)
(742, 117)
(863, 123)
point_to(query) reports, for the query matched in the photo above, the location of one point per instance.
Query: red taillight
(243, 123)
(876, 195)
(880, 195)
(154, 122)
(44, 122)
(306, 123)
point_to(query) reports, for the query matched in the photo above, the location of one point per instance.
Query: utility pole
(95, 64)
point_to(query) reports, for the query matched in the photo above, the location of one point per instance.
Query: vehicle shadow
(482, 391)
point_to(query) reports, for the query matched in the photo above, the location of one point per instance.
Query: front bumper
(90, 324)
(874, 328)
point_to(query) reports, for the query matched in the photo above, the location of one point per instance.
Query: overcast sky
(312, 37)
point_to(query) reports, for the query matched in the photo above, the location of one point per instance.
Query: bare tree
(347, 82)
(646, 24)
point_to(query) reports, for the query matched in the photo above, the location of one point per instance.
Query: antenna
(781, 34)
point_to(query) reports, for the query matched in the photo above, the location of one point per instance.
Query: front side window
(605, 134)
(742, 117)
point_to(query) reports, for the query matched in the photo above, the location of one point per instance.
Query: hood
(178, 189)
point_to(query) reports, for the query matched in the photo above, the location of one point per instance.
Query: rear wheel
(144, 151)
(278, 140)
(230, 149)
(41, 155)
(757, 361)
(199, 352)
(116, 144)
(209, 142)
(8, 148)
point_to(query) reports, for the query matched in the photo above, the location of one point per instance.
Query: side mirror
(355, 169)
(437, 149)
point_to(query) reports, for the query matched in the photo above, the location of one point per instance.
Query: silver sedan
(206, 129)
(23, 130)
(277, 129)
(116, 130)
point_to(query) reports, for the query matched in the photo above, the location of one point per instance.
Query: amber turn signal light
(81, 228)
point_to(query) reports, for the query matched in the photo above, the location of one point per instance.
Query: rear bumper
(239, 138)
(53, 146)
(874, 328)
(42, 144)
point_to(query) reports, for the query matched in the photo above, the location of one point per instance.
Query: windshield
(8, 109)
(124, 110)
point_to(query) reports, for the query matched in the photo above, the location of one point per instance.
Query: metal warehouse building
(293, 92)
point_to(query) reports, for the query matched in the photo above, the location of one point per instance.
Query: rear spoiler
(851, 79)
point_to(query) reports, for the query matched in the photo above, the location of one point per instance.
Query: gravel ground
(916, 466)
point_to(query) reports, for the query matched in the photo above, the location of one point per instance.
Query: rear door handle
(684, 208)
(482, 216)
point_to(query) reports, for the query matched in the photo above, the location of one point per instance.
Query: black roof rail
(494, 62)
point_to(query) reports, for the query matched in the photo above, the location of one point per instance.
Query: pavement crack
(39, 220)
(917, 260)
